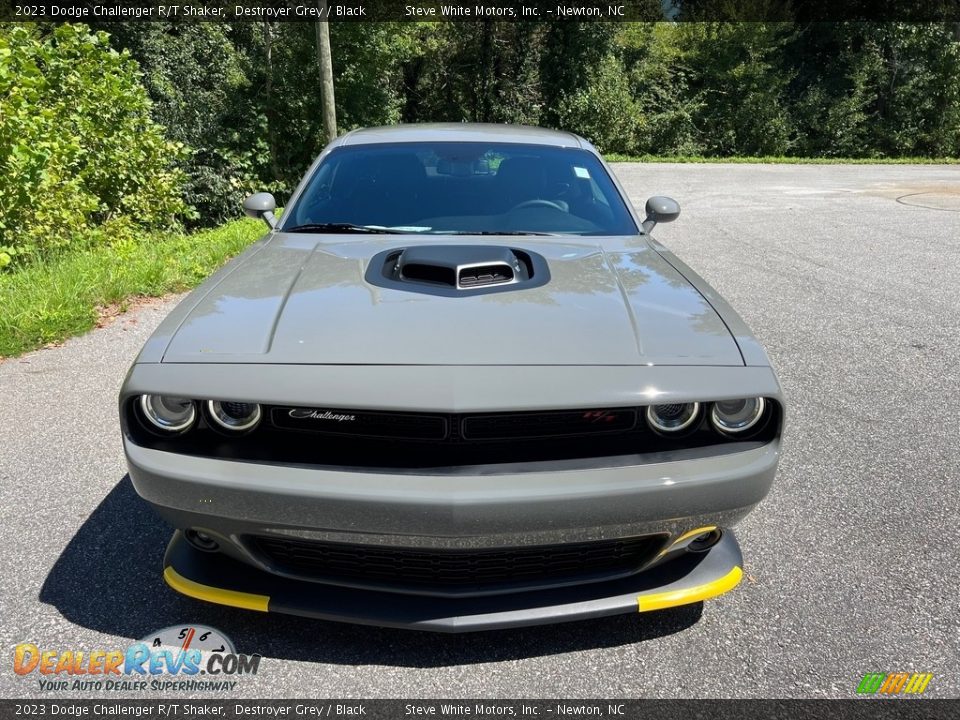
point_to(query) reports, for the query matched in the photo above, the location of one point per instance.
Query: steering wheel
(538, 202)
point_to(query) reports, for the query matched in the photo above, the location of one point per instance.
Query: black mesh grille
(495, 426)
(359, 423)
(547, 424)
(458, 569)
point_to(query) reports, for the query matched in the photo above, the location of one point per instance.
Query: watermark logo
(894, 683)
(171, 659)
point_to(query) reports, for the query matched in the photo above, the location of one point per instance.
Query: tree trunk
(268, 90)
(325, 62)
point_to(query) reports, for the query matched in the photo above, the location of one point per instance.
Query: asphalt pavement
(848, 274)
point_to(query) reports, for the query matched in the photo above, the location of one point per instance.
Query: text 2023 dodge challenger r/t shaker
(456, 387)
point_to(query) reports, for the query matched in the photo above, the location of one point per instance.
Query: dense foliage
(246, 97)
(243, 101)
(81, 160)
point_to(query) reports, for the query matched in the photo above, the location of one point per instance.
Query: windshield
(461, 188)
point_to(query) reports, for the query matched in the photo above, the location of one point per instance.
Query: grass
(49, 301)
(618, 157)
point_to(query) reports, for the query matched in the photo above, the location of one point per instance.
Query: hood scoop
(456, 270)
(460, 266)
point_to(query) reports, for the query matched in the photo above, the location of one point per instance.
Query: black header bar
(472, 10)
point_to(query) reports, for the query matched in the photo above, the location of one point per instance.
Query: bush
(660, 85)
(80, 159)
(197, 81)
(604, 111)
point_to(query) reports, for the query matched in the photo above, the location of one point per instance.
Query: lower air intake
(458, 570)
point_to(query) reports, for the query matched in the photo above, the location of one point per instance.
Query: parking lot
(848, 274)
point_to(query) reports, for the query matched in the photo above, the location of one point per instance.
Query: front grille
(458, 570)
(399, 442)
(359, 438)
(415, 426)
(503, 426)
(359, 423)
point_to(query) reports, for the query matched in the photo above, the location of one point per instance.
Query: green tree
(876, 89)
(478, 72)
(570, 51)
(738, 85)
(80, 158)
(197, 77)
(603, 111)
(660, 86)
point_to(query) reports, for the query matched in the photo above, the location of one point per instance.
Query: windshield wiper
(498, 232)
(338, 228)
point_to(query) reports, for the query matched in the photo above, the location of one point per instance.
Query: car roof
(461, 132)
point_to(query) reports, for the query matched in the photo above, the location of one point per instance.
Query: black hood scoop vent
(461, 266)
(457, 270)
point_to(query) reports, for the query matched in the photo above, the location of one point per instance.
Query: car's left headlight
(234, 416)
(736, 416)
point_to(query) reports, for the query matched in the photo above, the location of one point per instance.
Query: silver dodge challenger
(457, 386)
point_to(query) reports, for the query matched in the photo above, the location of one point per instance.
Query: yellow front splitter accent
(672, 598)
(234, 598)
(645, 603)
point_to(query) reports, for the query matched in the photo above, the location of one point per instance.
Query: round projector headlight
(234, 416)
(168, 413)
(674, 417)
(737, 416)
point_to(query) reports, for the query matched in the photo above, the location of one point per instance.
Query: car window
(449, 187)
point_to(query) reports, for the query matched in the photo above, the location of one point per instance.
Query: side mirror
(660, 209)
(261, 205)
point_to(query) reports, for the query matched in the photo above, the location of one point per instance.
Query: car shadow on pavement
(108, 579)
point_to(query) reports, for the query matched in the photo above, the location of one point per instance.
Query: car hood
(302, 299)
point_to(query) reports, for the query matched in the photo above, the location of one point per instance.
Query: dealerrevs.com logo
(186, 658)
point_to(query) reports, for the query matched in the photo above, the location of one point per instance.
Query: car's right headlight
(168, 413)
(673, 418)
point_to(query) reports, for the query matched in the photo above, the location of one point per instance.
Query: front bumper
(668, 495)
(691, 578)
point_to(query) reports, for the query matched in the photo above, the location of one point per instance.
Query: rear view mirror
(660, 209)
(261, 205)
